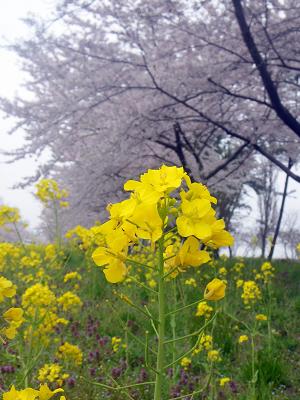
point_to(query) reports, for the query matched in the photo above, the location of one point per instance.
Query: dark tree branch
(226, 130)
(282, 112)
(239, 96)
(228, 161)
(179, 147)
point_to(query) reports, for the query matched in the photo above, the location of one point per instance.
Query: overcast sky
(12, 29)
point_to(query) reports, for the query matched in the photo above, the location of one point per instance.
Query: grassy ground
(267, 370)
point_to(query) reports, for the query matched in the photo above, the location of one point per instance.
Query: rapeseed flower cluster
(86, 238)
(8, 215)
(13, 317)
(150, 211)
(251, 293)
(40, 305)
(69, 301)
(267, 271)
(49, 192)
(185, 363)
(72, 276)
(70, 353)
(205, 343)
(203, 309)
(9, 254)
(52, 373)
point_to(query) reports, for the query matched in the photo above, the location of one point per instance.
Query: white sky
(12, 28)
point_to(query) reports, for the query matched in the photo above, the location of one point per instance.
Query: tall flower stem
(159, 382)
(19, 235)
(254, 374)
(57, 227)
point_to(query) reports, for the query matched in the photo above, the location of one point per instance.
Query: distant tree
(267, 205)
(119, 85)
(289, 236)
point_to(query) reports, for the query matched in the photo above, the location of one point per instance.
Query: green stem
(19, 235)
(57, 227)
(142, 285)
(159, 382)
(183, 308)
(196, 333)
(253, 381)
(173, 325)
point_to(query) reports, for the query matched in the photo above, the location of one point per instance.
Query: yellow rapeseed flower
(224, 381)
(243, 338)
(185, 362)
(70, 353)
(7, 289)
(261, 317)
(215, 290)
(214, 356)
(44, 393)
(203, 309)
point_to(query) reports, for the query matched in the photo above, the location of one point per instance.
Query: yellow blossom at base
(44, 393)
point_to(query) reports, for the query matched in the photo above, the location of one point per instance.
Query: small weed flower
(191, 282)
(214, 356)
(238, 267)
(72, 276)
(206, 343)
(223, 271)
(215, 290)
(115, 342)
(203, 309)
(185, 363)
(267, 271)
(243, 338)
(224, 381)
(261, 317)
(239, 283)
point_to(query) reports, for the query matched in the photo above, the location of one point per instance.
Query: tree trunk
(284, 195)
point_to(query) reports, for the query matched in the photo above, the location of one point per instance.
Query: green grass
(104, 315)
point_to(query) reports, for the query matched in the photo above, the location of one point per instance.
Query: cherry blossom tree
(119, 86)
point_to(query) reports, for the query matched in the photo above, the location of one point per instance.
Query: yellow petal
(115, 272)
